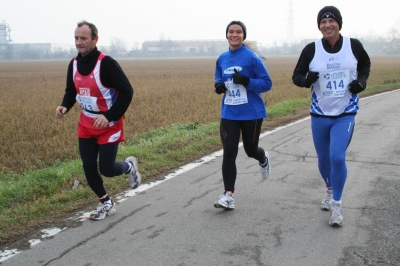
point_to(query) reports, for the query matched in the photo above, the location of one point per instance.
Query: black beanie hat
(238, 23)
(330, 12)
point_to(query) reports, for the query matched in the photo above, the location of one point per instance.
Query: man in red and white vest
(97, 82)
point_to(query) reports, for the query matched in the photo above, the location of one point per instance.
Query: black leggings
(230, 137)
(107, 153)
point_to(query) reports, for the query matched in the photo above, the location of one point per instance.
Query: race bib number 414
(334, 83)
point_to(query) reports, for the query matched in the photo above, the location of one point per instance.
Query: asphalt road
(276, 221)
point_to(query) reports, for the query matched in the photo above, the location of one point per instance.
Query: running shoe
(103, 209)
(336, 214)
(135, 178)
(225, 201)
(326, 203)
(266, 170)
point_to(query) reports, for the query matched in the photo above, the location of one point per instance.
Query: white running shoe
(336, 214)
(103, 210)
(326, 204)
(225, 201)
(266, 170)
(135, 178)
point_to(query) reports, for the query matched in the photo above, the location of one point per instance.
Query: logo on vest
(84, 91)
(333, 66)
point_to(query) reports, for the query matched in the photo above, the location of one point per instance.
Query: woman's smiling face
(235, 36)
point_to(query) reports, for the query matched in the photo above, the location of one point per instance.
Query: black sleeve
(70, 90)
(302, 67)
(112, 76)
(363, 60)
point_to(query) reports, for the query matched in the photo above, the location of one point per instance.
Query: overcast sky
(135, 21)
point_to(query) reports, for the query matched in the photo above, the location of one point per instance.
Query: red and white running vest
(92, 95)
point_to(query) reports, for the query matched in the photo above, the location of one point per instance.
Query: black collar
(333, 48)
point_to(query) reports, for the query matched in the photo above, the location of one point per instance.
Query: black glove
(357, 86)
(311, 77)
(240, 79)
(220, 88)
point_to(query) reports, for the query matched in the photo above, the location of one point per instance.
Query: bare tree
(392, 33)
(136, 46)
(118, 45)
(397, 26)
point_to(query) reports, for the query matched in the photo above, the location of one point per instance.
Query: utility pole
(5, 41)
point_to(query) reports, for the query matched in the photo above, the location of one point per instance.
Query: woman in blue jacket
(241, 76)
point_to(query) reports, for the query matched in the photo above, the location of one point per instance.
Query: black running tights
(107, 166)
(230, 137)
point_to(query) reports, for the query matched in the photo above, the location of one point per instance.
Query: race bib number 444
(236, 94)
(334, 83)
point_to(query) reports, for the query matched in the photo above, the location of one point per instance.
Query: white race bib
(236, 94)
(334, 83)
(88, 103)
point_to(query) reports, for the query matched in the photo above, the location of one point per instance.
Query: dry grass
(167, 91)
